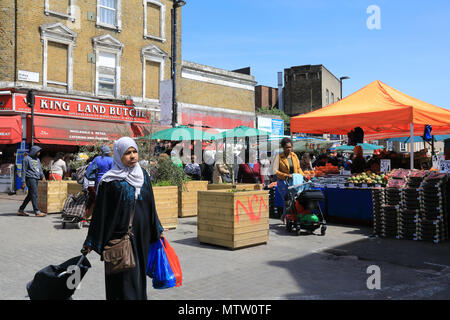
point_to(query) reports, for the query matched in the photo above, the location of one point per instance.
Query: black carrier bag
(75, 205)
(50, 283)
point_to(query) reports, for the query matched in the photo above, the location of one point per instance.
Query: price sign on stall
(445, 166)
(385, 165)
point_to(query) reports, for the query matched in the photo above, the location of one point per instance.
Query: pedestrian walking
(31, 174)
(101, 164)
(125, 189)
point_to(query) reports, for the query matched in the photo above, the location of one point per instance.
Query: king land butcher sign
(81, 109)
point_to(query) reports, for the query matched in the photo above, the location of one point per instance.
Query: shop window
(154, 20)
(109, 14)
(58, 45)
(60, 8)
(153, 62)
(108, 51)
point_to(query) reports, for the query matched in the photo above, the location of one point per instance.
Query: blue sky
(410, 52)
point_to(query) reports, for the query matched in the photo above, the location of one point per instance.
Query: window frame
(59, 33)
(108, 44)
(403, 147)
(99, 75)
(69, 16)
(154, 54)
(162, 20)
(117, 26)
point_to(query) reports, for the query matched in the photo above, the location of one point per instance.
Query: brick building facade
(266, 97)
(308, 88)
(103, 50)
(215, 97)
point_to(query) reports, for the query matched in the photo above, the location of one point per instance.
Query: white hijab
(119, 171)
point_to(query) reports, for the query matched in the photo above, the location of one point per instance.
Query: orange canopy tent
(380, 110)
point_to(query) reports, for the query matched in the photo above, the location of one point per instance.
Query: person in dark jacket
(359, 164)
(31, 174)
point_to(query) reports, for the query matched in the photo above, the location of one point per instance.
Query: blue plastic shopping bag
(163, 265)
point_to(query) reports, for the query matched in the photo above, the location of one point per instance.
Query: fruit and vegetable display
(327, 169)
(369, 178)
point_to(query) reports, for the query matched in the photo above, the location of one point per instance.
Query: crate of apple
(369, 178)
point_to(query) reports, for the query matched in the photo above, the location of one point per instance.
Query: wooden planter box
(166, 201)
(240, 187)
(51, 196)
(233, 219)
(73, 187)
(187, 198)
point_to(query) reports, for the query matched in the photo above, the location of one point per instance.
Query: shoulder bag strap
(131, 218)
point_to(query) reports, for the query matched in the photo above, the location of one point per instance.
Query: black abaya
(113, 207)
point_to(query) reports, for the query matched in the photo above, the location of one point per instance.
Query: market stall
(380, 111)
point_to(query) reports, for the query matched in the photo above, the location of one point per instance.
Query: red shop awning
(10, 129)
(145, 129)
(54, 130)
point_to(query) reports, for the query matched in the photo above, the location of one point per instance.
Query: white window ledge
(59, 15)
(147, 36)
(108, 26)
(57, 83)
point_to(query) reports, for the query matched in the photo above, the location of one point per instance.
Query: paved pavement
(288, 267)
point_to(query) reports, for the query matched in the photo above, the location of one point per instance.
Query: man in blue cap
(31, 174)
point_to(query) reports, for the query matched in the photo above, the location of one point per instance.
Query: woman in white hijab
(123, 187)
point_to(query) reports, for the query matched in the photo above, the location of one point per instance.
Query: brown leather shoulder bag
(118, 253)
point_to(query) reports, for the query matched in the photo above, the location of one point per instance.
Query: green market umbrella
(236, 133)
(364, 146)
(181, 133)
(241, 132)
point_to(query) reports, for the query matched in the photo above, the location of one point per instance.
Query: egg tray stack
(409, 227)
(434, 208)
(390, 212)
(378, 201)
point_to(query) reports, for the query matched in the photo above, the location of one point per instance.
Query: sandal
(22, 214)
(40, 214)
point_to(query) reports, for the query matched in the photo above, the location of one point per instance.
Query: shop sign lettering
(81, 109)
